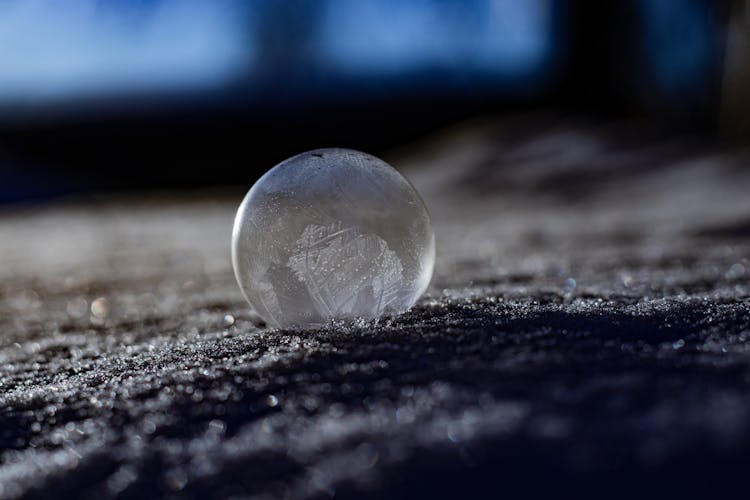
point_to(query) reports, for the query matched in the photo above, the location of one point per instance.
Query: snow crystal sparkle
(332, 234)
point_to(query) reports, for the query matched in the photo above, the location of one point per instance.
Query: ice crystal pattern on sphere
(332, 234)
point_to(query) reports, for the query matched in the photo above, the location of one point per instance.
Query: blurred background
(102, 96)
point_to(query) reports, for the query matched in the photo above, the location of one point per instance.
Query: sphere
(332, 234)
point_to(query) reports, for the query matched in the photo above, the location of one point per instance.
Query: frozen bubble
(332, 234)
(77, 307)
(100, 308)
(735, 271)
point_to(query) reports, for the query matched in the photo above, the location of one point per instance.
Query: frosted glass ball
(332, 234)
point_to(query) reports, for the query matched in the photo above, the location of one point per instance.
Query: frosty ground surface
(587, 332)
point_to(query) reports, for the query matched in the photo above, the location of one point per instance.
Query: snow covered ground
(586, 333)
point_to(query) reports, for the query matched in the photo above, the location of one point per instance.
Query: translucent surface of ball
(332, 234)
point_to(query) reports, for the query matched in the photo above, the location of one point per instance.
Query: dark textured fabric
(586, 334)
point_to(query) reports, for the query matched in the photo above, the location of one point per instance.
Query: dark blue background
(130, 94)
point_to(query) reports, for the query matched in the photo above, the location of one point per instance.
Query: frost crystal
(326, 254)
